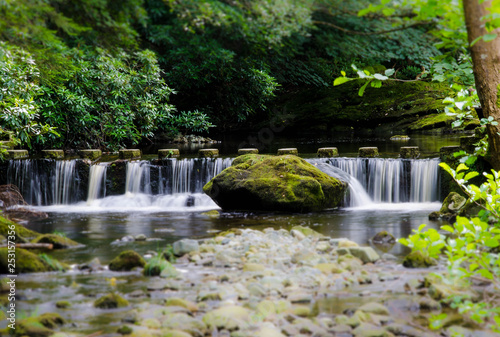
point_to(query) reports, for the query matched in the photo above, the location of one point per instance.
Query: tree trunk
(486, 66)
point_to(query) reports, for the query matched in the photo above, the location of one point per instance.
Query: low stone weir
(52, 182)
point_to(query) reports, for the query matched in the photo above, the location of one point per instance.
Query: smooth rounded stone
(256, 289)
(461, 331)
(308, 328)
(301, 310)
(299, 297)
(140, 237)
(409, 152)
(306, 257)
(365, 254)
(92, 154)
(343, 243)
(126, 261)
(229, 317)
(247, 151)
(289, 150)
(184, 322)
(266, 309)
(297, 234)
(341, 329)
(181, 302)
(174, 333)
(370, 330)
(168, 153)
(53, 154)
(151, 323)
(268, 331)
(428, 304)
(93, 265)
(129, 153)
(323, 247)
(405, 330)
(328, 152)
(350, 262)
(307, 231)
(329, 268)
(357, 318)
(400, 137)
(368, 152)
(208, 153)
(252, 267)
(185, 246)
(375, 308)
(17, 154)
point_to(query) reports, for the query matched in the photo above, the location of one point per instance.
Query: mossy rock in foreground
(21, 232)
(126, 261)
(275, 183)
(27, 262)
(111, 301)
(417, 259)
(40, 326)
(58, 241)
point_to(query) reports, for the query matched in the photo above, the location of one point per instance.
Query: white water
(97, 182)
(177, 185)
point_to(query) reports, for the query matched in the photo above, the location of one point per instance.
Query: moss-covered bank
(274, 183)
(406, 107)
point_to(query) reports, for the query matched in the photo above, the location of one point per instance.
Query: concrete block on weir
(129, 153)
(53, 154)
(328, 152)
(168, 153)
(208, 153)
(17, 154)
(289, 150)
(92, 154)
(446, 153)
(368, 152)
(409, 152)
(247, 151)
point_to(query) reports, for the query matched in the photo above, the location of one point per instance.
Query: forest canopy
(107, 74)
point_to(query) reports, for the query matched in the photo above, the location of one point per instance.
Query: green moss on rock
(26, 262)
(53, 154)
(368, 152)
(40, 326)
(417, 259)
(92, 154)
(129, 154)
(328, 152)
(111, 301)
(58, 241)
(409, 152)
(274, 183)
(20, 232)
(159, 266)
(126, 261)
(208, 153)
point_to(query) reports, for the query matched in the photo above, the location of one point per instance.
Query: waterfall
(97, 182)
(388, 180)
(44, 182)
(138, 177)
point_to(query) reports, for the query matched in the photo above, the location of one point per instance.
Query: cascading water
(97, 182)
(44, 182)
(389, 180)
(175, 183)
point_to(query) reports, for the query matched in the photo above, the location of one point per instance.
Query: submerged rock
(111, 301)
(126, 261)
(275, 183)
(40, 326)
(58, 241)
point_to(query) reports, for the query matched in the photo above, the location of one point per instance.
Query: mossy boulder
(21, 233)
(58, 241)
(417, 259)
(40, 326)
(274, 183)
(453, 203)
(111, 301)
(129, 153)
(26, 262)
(126, 261)
(208, 153)
(328, 152)
(368, 152)
(158, 266)
(409, 152)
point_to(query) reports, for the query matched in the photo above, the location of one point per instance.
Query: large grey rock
(185, 246)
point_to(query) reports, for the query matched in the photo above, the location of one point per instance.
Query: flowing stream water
(166, 203)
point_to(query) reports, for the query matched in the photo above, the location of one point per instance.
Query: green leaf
(492, 243)
(341, 80)
(389, 72)
(362, 89)
(448, 228)
(343, 73)
(461, 167)
(376, 83)
(471, 175)
(486, 273)
(380, 77)
(489, 37)
(388, 11)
